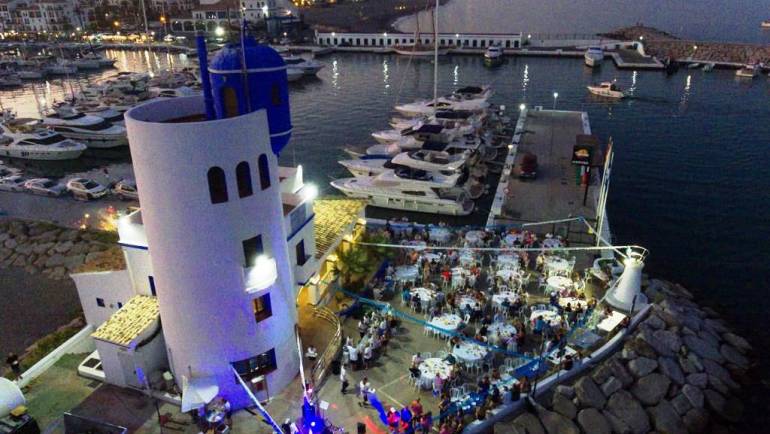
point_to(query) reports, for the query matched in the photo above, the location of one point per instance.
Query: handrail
(319, 370)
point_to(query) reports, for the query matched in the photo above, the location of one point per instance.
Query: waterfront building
(446, 40)
(209, 15)
(44, 15)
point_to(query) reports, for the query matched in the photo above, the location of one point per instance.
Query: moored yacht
(27, 139)
(593, 57)
(748, 71)
(94, 131)
(308, 67)
(428, 107)
(493, 56)
(607, 89)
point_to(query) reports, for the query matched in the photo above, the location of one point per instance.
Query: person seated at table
(417, 359)
(524, 385)
(553, 299)
(484, 329)
(487, 321)
(484, 384)
(521, 336)
(311, 353)
(416, 302)
(495, 374)
(515, 392)
(438, 384)
(539, 325)
(567, 362)
(552, 344)
(495, 397)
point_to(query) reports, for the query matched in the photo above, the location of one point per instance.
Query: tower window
(152, 285)
(243, 176)
(230, 101)
(276, 95)
(262, 308)
(217, 185)
(100, 302)
(251, 249)
(264, 172)
(300, 251)
(262, 364)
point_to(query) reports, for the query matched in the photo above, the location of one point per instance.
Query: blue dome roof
(257, 57)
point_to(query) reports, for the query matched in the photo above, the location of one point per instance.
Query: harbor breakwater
(680, 371)
(661, 44)
(54, 251)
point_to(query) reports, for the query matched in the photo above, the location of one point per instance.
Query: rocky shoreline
(680, 371)
(40, 247)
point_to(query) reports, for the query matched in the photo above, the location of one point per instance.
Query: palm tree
(352, 265)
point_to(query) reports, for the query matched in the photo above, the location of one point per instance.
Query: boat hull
(604, 93)
(94, 142)
(42, 155)
(408, 51)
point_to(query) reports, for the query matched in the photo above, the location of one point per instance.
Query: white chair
(455, 394)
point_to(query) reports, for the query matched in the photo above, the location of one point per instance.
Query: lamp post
(555, 97)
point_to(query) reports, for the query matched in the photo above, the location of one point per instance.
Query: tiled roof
(332, 218)
(130, 321)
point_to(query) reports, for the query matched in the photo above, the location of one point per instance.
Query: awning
(198, 392)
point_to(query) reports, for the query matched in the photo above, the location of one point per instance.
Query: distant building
(44, 15)
(209, 15)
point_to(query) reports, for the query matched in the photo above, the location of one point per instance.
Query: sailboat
(417, 48)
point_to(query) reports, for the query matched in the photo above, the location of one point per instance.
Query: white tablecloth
(474, 237)
(430, 257)
(447, 322)
(573, 302)
(502, 296)
(469, 352)
(440, 234)
(508, 261)
(466, 257)
(406, 272)
(608, 324)
(426, 295)
(467, 301)
(430, 367)
(554, 357)
(507, 273)
(557, 264)
(559, 284)
(549, 316)
(551, 243)
(512, 239)
(503, 328)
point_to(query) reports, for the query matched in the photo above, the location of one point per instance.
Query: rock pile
(40, 247)
(677, 373)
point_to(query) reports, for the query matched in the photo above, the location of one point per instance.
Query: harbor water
(692, 166)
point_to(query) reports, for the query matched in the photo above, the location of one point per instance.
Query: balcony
(261, 276)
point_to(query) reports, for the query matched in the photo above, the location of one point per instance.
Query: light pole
(555, 97)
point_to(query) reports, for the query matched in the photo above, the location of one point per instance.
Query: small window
(100, 302)
(300, 250)
(262, 364)
(262, 308)
(217, 185)
(152, 285)
(243, 176)
(264, 172)
(120, 305)
(251, 249)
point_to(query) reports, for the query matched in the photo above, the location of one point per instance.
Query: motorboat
(708, 67)
(493, 55)
(463, 122)
(765, 24)
(94, 131)
(10, 80)
(748, 71)
(86, 189)
(607, 89)
(308, 67)
(172, 92)
(433, 161)
(470, 93)
(406, 196)
(694, 65)
(102, 61)
(367, 165)
(593, 57)
(418, 50)
(30, 74)
(428, 107)
(294, 74)
(126, 189)
(60, 67)
(85, 64)
(12, 183)
(25, 138)
(421, 132)
(45, 187)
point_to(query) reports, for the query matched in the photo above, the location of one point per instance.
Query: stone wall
(677, 373)
(41, 247)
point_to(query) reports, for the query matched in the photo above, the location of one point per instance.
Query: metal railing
(332, 350)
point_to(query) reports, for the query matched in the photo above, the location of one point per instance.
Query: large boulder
(665, 342)
(666, 420)
(696, 420)
(56, 260)
(654, 322)
(715, 369)
(670, 368)
(642, 366)
(716, 325)
(72, 262)
(620, 372)
(738, 342)
(589, 394)
(554, 423)
(565, 390)
(681, 404)
(651, 388)
(693, 394)
(629, 411)
(593, 422)
(528, 423)
(602, 373)
(611, 386)
(715, 401)
(641, 344)
(11, 243)
(564, 406)
(731, 354)
(703, 348)
(699, 380)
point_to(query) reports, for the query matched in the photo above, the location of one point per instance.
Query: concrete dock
(556, 193)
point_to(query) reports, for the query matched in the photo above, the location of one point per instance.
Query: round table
(551, 317)
(406, 272)
(474, 237)
(417, 246)
(468, 301)
(500, 297)
(430, 367)
(503, 328)
(560, 284)
(425, 294)
(508, 261)
(466, 257)
(551, 243)
(448, 322)
(507, 273)
(556, 263)
(573, 302)
(430, 257)
(469, 353)
(512, 239)
(458, 276)
(440, 234)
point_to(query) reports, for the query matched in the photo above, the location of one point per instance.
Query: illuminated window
(262, 364)
(251, 249)
(264, 172)
(217, 185)
(262, 308)
(243, 176)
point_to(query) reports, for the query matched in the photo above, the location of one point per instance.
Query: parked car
(12, 183)
(528, 166)
(126, 190)
(86, 189)
(45, 187)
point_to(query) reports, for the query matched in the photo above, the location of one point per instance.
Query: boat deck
(556, 193)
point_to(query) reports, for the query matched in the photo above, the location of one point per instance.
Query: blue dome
(257, 57)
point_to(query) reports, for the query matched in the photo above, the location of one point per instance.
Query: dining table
(432, 366)
(448, 322)
(440, 234)
(469, 352)
(550, 316)
(407, 272)
(562, 285)
(502, 296)
(573, 302)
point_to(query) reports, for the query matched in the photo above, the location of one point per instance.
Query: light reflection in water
(525, 80)
(456, 75)
(385, 73)
(335, 75)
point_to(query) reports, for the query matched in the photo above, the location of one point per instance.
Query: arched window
(264, 172)
(217, 185)
(243, 176)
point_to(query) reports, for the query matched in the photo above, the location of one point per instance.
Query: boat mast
(435, 55)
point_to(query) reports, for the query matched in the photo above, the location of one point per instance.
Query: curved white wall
(10, 396)
(196, 246)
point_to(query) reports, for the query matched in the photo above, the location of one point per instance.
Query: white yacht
(30, 73)
(407, 196)
(308, 67)
(27, 139)
(102, 61)
(593, 57)
(765, 24)
(433, 161)
(85, 64)
(367, 165)
(94, 131)
(748, 71)
(493, 55)
(294, 74)
(428, 107)
(607, 89)
(10, 80)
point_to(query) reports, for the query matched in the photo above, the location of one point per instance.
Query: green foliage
(44, 346)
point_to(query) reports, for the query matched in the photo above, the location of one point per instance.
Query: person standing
(13, 362)
(344, 380)
(363, 389)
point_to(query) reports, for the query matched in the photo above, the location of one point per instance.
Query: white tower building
(627, 293)
(212, 212)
